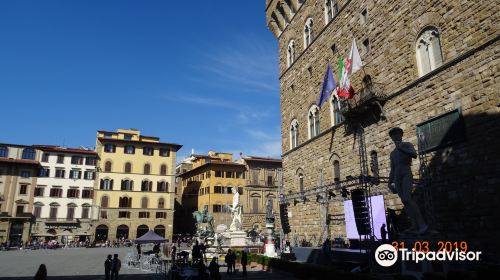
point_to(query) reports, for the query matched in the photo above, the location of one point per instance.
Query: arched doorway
(141, 230)
(101, 233)
(122, 232)
(16, 232)
(160, 230)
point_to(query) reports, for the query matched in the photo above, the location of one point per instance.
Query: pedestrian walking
(229, 261)
(173, 252)
(115, 268)
(108, 264)
(244, 261)
(41, 274)
(213, 268)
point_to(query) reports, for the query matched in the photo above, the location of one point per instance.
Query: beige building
(429, 67)
(262, 183)
(134, 189)
(18, 176)
(209, 180)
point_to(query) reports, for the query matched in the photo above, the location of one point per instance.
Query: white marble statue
(236, 211)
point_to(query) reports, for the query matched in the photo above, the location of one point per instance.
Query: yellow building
(211, 179)
(209, 184)
(134, 189)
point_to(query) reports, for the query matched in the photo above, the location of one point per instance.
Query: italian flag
(353, 65)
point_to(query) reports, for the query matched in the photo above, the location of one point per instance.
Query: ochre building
(134, 189)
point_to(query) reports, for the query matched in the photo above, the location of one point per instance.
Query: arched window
(107, 166)
(4, 151)
(428, 51)
(104, 201)
(127, 185)
(141, 230)
(336, 171)
(308, 34)
(147, 168)
(313, 118)
(146, 186)
(161, 203)
(28, 153)
(291, 6)
(106, 184)
(128, 167)
(301, 181)
(282, 12)
(331, 10)
(144, 203)
(336, 114)
(290, 53)
(160, 230)
(125, 202)
(163, 169)
(162, 186)
(294, 134)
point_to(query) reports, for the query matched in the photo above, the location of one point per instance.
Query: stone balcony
(367, 103)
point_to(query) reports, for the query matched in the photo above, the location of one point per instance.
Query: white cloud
(267, 149)
(250, 65)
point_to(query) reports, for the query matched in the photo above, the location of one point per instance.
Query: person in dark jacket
(115, 267)
(244, 261)
(41, 274)
(213, 268)
(108, 263)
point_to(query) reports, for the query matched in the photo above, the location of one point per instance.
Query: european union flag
(328, 86)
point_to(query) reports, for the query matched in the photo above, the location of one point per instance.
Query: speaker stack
(285, 225)
(361, 214)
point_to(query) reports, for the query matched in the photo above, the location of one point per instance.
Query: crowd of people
(43, 244)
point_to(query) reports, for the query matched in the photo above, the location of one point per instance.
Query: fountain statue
(204, 217)
(235, 211)
(238, 238)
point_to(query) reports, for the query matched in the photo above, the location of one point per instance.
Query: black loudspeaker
(284, 218)
(361, 212)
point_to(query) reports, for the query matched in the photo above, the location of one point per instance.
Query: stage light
(331, 194)
(318, 198)
(344, 192)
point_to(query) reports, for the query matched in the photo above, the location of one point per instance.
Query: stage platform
(315, 255)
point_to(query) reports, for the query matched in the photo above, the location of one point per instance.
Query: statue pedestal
(413, 240)
(237, 239)
(270, 250)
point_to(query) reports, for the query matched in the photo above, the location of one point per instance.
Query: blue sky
(203, 74)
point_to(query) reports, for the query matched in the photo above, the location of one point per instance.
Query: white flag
(355, 59)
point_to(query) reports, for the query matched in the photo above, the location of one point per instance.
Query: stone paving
(73, 263)
(87, 264)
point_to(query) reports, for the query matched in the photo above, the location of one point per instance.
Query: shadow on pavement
(87, 277)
